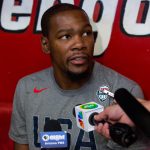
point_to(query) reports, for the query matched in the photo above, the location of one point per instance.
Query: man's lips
(78, 59)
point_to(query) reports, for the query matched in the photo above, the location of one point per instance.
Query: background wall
(127, 53)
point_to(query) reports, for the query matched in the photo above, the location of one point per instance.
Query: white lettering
(61, 142)
(130, 15)
(57, 137)
(104, 25)
(50, 143)
(44, 6)
(20, 12)
(16, 17)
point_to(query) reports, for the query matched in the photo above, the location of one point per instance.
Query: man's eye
(86, 33)
(65, 37)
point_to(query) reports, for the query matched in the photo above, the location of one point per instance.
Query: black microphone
(50, 126)
(136, 111)
(120, 133)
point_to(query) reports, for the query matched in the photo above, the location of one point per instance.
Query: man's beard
(79, 76)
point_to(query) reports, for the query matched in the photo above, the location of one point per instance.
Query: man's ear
(45, 45)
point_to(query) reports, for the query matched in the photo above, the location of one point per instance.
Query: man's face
(71, 42)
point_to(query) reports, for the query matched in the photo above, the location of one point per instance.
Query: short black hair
(55, 10)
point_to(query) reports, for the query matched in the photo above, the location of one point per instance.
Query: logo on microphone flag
(90, 105)
(80, 119)
(53, 139)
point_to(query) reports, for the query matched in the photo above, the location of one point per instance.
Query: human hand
(112, 114)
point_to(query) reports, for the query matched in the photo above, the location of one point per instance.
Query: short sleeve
(17, 130)
(137, 91)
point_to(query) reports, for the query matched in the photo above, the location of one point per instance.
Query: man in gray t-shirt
(74, 78)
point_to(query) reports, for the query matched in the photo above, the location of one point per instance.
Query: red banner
(122, 28)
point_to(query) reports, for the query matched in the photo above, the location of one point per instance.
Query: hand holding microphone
(128, 110)
(120, 133)
(134, 109)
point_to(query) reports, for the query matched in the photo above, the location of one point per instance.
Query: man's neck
(68, 82)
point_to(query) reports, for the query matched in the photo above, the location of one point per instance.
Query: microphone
(136, 111)
(53, 138)
(120, 133)
(52, 125)
(82, 113)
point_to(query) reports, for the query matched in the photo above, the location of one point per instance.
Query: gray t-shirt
(38, 98)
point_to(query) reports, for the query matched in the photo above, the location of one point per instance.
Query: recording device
(136, 111)
(120, 133)
(83, 112)
(53, 138)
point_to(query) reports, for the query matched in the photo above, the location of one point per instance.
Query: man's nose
(79, 43)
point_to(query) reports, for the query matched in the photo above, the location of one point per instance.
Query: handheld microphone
(53, 138)
(82, 113)
(136, 111)
(52, 125)
(119, 132)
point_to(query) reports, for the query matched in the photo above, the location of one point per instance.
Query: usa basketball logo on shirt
(102, 96)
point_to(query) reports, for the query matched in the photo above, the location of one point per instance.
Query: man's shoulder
(105, 70)
(117, 80)
(41, 75)
(112, 75)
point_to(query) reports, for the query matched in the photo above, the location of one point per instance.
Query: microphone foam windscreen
(134, 109)
(52, 125)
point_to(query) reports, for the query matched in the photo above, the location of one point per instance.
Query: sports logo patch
(102, 96)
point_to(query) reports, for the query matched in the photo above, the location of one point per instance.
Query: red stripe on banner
(56, 2)
(13, 18)
(97, 11)
(141, 11)
(17, 2)
(77, 2)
